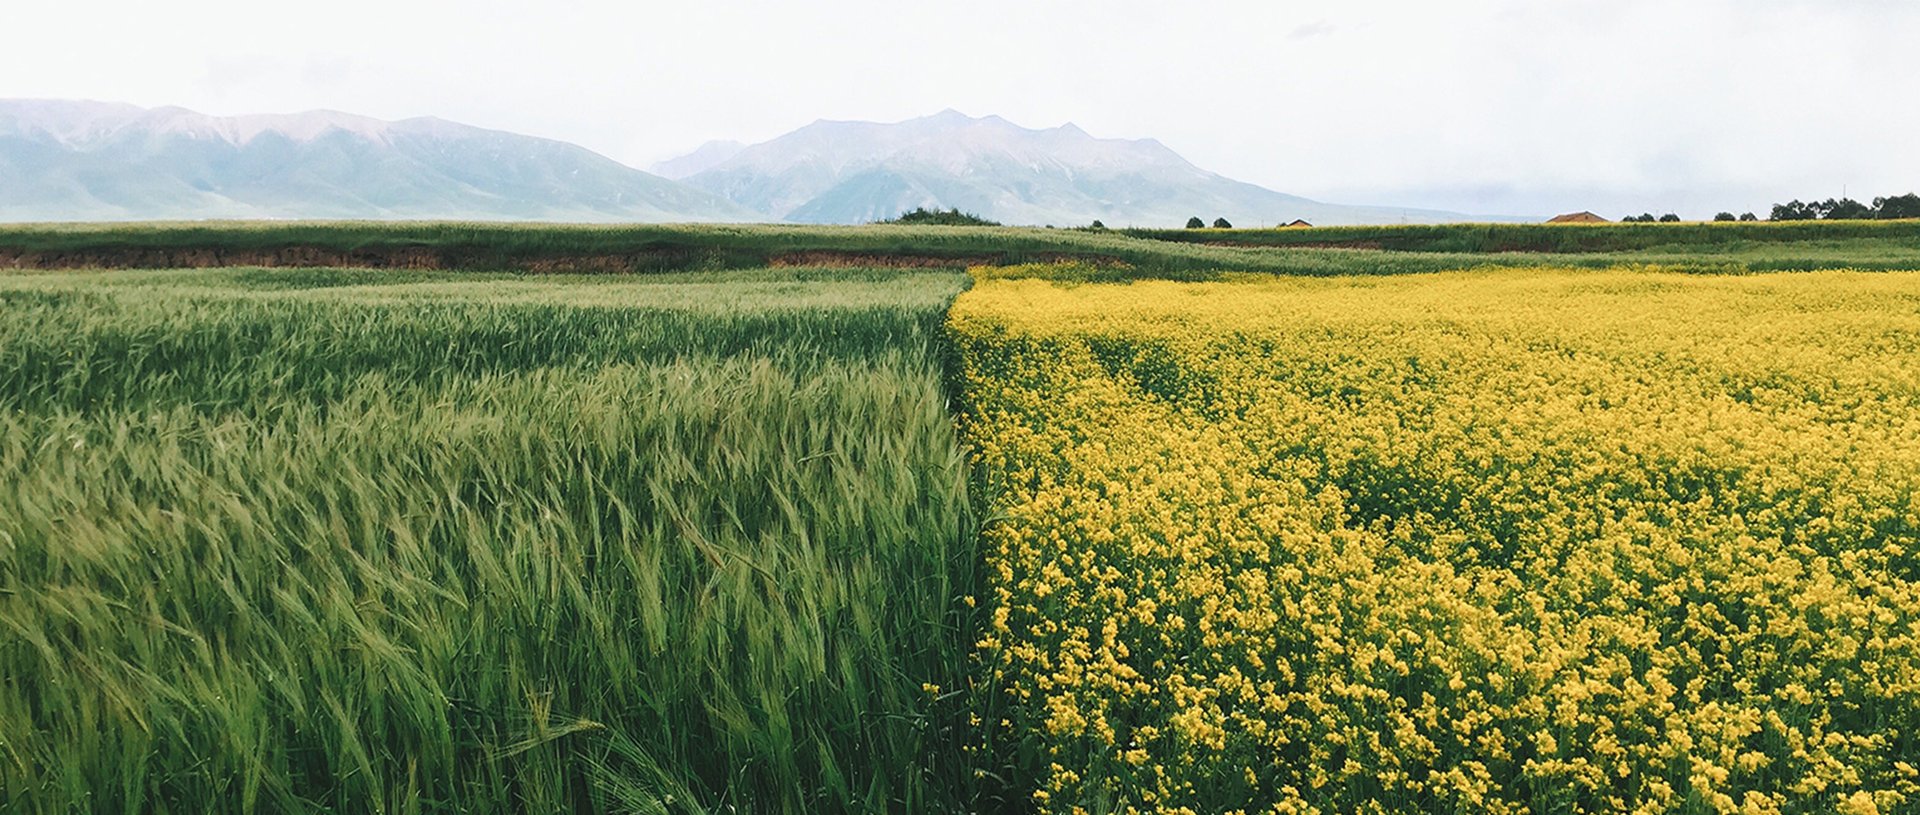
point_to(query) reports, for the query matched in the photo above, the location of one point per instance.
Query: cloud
(1317, 28)
(251, 74)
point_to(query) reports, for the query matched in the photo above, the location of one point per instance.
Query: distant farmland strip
(1175, 254)
(1551, 238)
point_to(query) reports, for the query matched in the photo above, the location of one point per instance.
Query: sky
(1515, 107)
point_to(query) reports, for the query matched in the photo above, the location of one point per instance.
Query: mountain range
(63, 160)
(852, 172)
(74, 160)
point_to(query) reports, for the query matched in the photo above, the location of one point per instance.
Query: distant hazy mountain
(66, 160)
(706, 157)
(852, 172)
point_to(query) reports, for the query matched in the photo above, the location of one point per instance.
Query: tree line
(1832, 209)
(1847, 209)
(938, 217)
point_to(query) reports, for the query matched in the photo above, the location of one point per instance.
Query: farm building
(1582, 217)
(1296, 222)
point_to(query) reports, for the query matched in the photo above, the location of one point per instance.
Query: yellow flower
(1640, 538)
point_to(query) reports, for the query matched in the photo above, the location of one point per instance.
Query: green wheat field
(301, 540)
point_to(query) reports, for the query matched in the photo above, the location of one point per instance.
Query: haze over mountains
(71, 160)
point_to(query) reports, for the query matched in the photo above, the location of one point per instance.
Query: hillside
(63, 160)
(66, 160)
(855, 172)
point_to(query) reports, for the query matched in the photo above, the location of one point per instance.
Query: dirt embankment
(407, 258)
(852, 260)
(427, 258)
(1301, 245)
(438, 258)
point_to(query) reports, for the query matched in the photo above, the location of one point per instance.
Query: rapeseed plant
(1500, 541)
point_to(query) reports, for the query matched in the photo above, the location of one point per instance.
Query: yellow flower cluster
(1504, 541)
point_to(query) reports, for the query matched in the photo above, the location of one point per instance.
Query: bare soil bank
(430, 258)
(410, 257)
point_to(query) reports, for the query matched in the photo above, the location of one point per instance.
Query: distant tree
(1195, 223)
(1723, 216)
(1645, 218)
(951, 217)
(1669, 218)
(1840, 210)
(1097, 226)
(1221, 223)
(1845, 209)
(1793, 211)
(1899, 206)
(1748, 216)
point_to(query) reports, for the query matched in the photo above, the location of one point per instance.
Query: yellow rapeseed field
(1505, 541)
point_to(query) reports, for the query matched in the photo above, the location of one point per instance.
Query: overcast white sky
(1493, 106)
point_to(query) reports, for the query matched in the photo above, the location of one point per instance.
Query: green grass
(1179, 254)
(322, 540)
(1558, 238)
